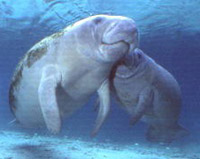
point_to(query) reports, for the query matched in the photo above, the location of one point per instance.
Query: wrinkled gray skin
(149, 92)
(48, 86)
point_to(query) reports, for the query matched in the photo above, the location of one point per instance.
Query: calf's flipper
(145, 100)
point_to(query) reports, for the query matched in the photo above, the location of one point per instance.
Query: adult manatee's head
(105, 38)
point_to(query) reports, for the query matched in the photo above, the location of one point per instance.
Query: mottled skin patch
(57, 35)
(14, 85)
(40, 49)
(33, 55)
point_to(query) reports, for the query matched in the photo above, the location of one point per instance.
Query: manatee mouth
(128, 67)
(115, 43)
(125, 72)
(114, 50)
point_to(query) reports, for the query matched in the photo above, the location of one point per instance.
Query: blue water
(169, 33)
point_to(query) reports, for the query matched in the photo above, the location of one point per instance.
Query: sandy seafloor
(23, 145)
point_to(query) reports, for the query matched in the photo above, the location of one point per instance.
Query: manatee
(149, 92)
(59, 74)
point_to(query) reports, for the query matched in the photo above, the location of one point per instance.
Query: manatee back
(168, 94)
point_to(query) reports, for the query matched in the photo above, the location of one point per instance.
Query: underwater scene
(99, 79)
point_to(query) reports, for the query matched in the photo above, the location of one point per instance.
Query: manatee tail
(165, 135)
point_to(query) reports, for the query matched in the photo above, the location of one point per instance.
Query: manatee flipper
(145, 100)
(104, 106)
(47, 98)
(165, 134)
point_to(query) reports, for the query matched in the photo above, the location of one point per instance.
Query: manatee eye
(98, 20)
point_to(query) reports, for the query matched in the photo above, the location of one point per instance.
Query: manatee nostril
(98, 20)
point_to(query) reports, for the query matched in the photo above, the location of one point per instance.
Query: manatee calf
(60, 73)
(149, 92)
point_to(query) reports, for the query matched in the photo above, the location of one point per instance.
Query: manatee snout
(120, 37)
(123, 30)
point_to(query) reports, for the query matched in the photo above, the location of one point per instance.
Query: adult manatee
(60, 73)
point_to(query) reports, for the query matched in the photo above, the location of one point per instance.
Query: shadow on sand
(37, 151)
